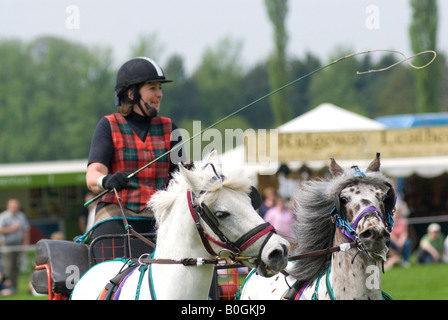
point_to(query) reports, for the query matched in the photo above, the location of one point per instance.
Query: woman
(129, 139)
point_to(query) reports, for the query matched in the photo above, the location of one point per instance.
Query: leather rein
(229, 249)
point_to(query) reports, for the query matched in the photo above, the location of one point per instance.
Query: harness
(113, 289)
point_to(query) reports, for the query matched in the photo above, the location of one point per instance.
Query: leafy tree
(423, 35)
(255, 84)
(337, 84)
(54, 92)
(277, 11)
(219, 80)
(147, 45)
(299, 96)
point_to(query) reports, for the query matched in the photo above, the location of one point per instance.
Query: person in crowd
(15, 228)
(269, 201)
(431, 245)
(400, 243)
(281, 218)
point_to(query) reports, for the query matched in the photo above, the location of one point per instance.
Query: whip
(405, 59)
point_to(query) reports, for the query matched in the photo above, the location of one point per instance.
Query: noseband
(202, 211)
(350, 231)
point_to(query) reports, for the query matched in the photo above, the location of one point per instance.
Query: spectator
(431, 245)
(281, 218)
(15, 229)
(269, 201)
(400, 243)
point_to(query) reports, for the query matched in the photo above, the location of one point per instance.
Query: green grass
(418, 282)
(23, 292)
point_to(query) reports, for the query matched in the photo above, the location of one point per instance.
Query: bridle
(349, 231)
(200, 211)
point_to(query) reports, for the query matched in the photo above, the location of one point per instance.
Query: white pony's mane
(162, 201)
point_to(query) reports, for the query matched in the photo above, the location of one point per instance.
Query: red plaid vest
(131, 153)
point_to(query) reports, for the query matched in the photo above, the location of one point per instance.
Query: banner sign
(398, 143)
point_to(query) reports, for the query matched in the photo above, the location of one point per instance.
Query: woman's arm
(95, 171)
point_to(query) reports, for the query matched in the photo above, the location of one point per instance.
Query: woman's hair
(127, 104)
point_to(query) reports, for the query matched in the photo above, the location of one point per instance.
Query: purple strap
(361, 215)
(117, 294)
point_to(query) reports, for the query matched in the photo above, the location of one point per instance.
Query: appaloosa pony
(353, 207)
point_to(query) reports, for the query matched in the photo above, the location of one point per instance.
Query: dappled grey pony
(352, 207)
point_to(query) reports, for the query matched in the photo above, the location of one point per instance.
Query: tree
(256, 85)
(299, 95)
(147, 45)
(53, 92)
(337, 84)
(219, 80)
(278, 75)
(423, 36)
(181, 96)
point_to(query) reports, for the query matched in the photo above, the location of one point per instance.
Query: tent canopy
(406, 121)
(328, 117)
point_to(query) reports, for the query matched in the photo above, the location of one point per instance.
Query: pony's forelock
(163, 200)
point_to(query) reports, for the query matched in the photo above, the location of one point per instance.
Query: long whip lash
(405, 59)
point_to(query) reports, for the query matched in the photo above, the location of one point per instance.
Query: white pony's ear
(193, 182)
(214, 158)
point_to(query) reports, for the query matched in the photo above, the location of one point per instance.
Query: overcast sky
(189, 27)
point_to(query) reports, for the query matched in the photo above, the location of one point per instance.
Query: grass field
(418, 282)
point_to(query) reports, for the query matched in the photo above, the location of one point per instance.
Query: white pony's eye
(221, 214)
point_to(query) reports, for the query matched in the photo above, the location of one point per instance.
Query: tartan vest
(130, 153)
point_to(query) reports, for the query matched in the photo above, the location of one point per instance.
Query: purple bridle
(350, 231)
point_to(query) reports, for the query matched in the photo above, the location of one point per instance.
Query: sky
(188, 28)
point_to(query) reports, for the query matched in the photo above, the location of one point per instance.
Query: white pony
(227, 224)
(353, 207)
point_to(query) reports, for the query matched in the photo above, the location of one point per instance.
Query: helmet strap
(151, 110)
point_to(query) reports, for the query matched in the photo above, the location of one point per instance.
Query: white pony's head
(222, 204)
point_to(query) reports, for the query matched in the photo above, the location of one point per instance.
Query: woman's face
(151, 93)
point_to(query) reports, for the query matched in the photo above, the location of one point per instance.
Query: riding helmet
(136, 71)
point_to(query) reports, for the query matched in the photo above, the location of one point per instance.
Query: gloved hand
(118, 180)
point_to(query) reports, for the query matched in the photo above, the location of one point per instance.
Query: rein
(342, 247)
(232, 249)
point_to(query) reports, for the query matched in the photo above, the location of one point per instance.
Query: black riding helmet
(135, 71)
